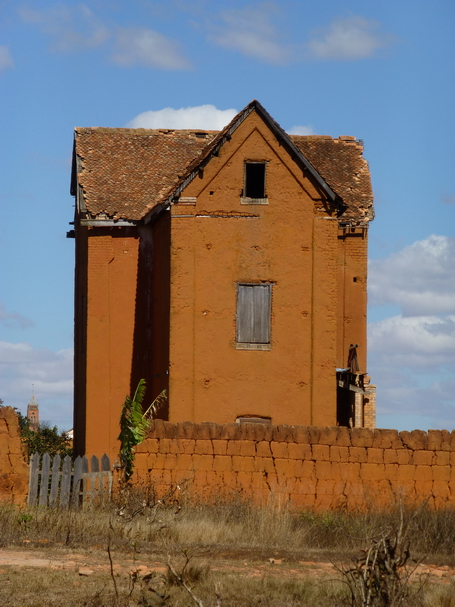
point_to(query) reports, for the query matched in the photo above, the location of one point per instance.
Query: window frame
(245, 338)
(248, 199)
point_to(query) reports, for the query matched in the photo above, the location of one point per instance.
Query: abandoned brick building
(228, 268)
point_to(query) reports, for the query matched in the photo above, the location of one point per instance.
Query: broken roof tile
(124, 173)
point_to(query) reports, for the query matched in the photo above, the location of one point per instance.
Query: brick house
(226, 267)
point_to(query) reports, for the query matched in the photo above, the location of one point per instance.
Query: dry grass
(20, 588)
(237, 526)
(237, 532)
(47, 588)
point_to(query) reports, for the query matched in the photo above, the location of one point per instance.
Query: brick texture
(282, 468)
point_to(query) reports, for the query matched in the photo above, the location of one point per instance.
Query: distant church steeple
(33, 413)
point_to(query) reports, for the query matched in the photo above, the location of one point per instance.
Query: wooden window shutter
(253, 313)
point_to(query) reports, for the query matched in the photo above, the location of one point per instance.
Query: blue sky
(380, 71)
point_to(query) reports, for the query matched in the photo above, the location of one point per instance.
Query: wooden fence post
(33, 482)
(44, 489)
(55, 481)
(66, 483)
(55, 488)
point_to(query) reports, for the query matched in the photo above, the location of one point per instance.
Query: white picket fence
(67, 483)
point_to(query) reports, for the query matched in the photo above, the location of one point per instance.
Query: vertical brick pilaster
(369, 407)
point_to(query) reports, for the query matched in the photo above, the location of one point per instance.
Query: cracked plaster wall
(13, 465)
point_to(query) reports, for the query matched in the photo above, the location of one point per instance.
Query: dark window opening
(345, 407)
(253, 313)
(255, 180)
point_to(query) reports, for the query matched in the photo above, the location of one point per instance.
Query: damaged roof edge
(284, 138)
(225, 135)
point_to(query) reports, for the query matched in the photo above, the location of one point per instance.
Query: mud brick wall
(305, 467)
(13, 464)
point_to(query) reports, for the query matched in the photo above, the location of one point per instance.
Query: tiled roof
(343, 167)
(124, 173)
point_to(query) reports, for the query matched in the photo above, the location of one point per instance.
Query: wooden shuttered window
(253, 313)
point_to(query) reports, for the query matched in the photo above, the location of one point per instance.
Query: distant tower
(33, 414)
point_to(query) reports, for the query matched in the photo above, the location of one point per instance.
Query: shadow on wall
(152, 313)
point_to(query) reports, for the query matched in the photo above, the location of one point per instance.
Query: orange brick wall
(217, 242)
(352, 294)
(300, 466)
(13, 465)
(159, 301)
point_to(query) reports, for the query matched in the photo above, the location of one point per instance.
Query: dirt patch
(97, 561)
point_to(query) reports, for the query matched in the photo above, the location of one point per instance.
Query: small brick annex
(297, 466)
(13, 464)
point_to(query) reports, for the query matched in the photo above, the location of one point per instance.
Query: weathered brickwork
(13, 465)
(170, 236)
(299, 466)
(369, 405)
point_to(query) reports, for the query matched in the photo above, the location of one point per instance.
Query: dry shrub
(381, 576)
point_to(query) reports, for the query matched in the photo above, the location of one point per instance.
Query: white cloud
(6, 60)
(73, 28)
(11, 319)
(49, 374)
(412, 362)
(300, 130)
(420, 278)
(147, 47)
(198, 117)
(416, 341)
(348, 39)
(412, 356)
(76, 28)
(251, 32)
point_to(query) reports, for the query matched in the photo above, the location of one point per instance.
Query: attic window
(254, 188)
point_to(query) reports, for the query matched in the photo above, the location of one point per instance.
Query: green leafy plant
(134, 425)
(46, 439)
(133, 428)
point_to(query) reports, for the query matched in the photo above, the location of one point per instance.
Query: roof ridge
(133, 173)
(201, 160)
(139, 131)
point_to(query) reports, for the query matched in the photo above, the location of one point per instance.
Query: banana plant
(134, 425)
(133, 428)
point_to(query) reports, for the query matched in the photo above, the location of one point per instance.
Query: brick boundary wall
(303, 467)
(14, 471)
